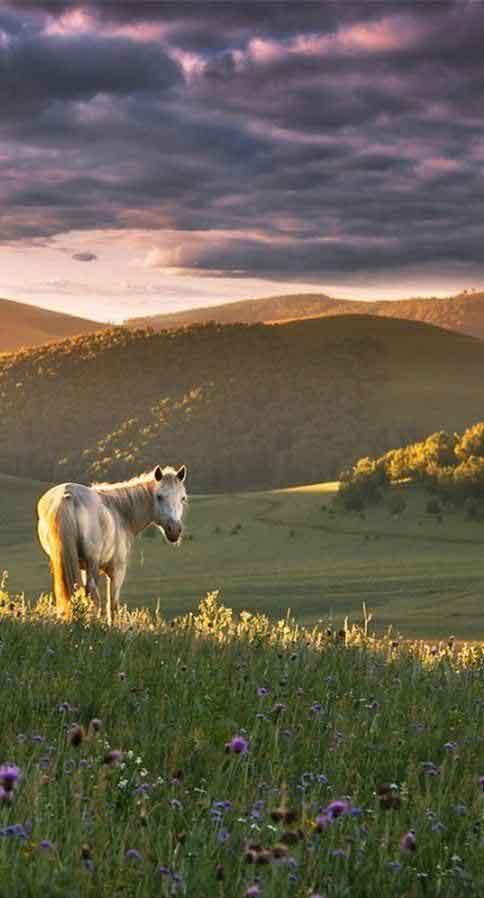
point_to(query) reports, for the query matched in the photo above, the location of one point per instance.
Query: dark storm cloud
(283, 139)
(37, 71)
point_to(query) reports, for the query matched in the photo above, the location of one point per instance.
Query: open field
(268, 551)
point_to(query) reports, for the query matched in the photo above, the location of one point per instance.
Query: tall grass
(347, 744)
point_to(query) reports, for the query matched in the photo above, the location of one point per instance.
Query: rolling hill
(22, 325)
(244, 406)
(463, 313)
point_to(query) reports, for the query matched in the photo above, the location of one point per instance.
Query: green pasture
(270, 551)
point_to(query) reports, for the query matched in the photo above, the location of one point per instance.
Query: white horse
(89, 530)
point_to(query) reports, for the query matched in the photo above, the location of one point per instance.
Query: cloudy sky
(158, 155)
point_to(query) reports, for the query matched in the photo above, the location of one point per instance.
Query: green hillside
(463, 312)
(243, 406)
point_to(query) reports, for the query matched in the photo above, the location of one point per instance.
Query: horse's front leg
(114, 584)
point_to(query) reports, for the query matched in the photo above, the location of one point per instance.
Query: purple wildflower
(338, 808)
(223, 835)
(262, 691)
(133, 854)
(238, 745)
(253, 891)
(481, 782)
(10, 776)
(322, 821)
(46, 845)
(15, 830)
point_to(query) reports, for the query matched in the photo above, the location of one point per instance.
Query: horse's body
(88, 530)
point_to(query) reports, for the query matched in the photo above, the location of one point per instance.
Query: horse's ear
(158, 473)
(182, 473)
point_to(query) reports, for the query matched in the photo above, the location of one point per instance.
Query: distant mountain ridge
(23, 325)
(463, 313)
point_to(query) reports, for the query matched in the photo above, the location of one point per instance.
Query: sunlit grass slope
(268, 551)
(23, 325)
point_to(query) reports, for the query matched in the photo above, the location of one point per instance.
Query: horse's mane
(127, 496)
(139, 480)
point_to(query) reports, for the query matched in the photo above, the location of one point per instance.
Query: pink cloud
(75, 21)
(438, 165)
(79, 21)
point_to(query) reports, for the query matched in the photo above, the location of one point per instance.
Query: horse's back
(79, 501)
(56, 496)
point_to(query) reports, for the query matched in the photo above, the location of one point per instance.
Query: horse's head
(169, 498)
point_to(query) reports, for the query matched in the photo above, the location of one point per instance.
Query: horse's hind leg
(92, 585)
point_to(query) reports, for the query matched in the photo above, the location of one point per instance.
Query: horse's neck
(142, 510)
(134, 506)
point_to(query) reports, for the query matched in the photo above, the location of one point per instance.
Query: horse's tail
(64, 555)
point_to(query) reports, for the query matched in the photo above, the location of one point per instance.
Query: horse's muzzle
(173, 532)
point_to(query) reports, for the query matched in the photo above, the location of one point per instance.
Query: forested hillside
(243, 406)
(464, 312)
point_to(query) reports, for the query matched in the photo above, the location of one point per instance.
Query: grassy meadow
(235, 759)
(270, 551)
(251, 752)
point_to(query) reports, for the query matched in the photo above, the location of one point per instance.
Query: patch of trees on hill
(450, 465)
(243, 406)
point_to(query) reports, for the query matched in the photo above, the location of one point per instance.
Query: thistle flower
(76, 735)
(113, 757)
(238, 745)
(408, 842)
(10, 776)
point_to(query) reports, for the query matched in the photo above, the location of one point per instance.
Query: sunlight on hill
(329, 489)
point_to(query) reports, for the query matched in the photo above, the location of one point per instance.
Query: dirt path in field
(267, 516)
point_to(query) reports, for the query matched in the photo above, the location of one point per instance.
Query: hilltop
(244, 406)
(463, 313)
(22, 325)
